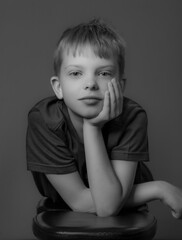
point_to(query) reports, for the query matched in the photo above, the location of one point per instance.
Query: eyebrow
(99, 67)
(107, 66)
(78, 66)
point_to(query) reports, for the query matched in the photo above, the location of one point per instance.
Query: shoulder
(48, 111)
(131, 108)
(128, 132)
(132, 112)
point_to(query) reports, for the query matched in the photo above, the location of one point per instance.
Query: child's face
(84, 79)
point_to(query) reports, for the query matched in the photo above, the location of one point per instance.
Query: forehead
(86, 53)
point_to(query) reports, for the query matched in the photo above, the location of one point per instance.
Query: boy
(87, 145)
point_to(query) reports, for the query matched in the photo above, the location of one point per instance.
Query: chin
(89, 115)
(86, 112)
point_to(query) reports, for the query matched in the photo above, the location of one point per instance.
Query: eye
(105, 74)
(75, 74)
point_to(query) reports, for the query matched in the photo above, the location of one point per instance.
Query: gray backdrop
(29, 31)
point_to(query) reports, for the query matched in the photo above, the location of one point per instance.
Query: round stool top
(64, 224)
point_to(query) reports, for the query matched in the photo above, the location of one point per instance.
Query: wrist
(91, 132)
(88, 124)
(162, 189)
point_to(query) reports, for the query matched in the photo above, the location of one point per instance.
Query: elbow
(109, 211)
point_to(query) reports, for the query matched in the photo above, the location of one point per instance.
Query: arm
(78, 197)
(167, 193)
(73, 191)
(109, 187)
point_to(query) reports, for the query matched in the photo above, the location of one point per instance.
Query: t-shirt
(53, 146)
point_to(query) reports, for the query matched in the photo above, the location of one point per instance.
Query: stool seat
(66, 224)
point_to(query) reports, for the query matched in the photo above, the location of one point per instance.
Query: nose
(91, 83)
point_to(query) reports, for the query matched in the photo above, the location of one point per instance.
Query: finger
(117, 91)
(118, 95)
(105, 113)
(113, 103)
(116, 87)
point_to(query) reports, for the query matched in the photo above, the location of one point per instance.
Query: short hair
(104, 40)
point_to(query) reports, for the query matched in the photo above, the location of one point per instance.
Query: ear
(56, 86)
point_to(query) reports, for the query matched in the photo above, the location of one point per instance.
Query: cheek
(70, 94)
(104, 86)
(68, 89)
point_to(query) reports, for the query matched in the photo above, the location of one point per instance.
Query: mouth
(90, 100)
(90, 97)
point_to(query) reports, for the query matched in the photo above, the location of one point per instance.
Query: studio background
(29, 31)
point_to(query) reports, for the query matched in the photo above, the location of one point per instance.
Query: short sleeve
(46, 152)
(132, 139)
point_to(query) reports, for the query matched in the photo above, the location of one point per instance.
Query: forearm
(167, 193)
(144, 193)
(140, 194)
(104, 186)
(85, 202)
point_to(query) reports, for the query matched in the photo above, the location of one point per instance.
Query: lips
(90, 97)
(90, 100)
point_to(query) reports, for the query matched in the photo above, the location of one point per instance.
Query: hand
(172, 197)
(112, 107)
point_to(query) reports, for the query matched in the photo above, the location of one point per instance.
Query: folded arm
(79, 198)
(110, 181)
(110, 195)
